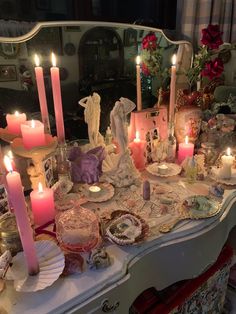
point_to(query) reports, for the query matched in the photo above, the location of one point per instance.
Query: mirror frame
(40, 25)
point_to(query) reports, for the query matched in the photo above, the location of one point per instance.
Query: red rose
(149, 41)
(213, 68)
(211, 36)
(145, 69)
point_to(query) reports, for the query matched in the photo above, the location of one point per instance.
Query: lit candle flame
(173, 60)
(54, 60)
(138, 60)
(16, 113)
(228, 151)
(137, 135)
(7, 163)
(186, 139)
(40, 187)
(32, 124)
(36, 60)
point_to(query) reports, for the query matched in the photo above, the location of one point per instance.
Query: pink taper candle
(56, 90)
(16, 194)
(172, 90)
(138, 83)
(42, 94)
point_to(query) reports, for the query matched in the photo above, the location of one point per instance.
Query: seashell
(99, 258)
(51, 264)
(110, 162)
(73, 264)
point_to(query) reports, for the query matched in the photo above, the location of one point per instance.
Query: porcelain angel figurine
(92, 118)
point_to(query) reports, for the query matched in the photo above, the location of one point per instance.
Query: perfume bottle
(191, 171)
(63, 164)
(171, 144)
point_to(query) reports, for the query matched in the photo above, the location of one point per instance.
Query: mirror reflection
(92, 57)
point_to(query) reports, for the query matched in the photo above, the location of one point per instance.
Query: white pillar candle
(138, 82)
(227, 162)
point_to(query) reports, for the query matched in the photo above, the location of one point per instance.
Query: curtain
(14, 28)
(194, 15)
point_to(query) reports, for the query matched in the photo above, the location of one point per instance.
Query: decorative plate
(193, 207)
(6, 136)
(173, 169)
(106, 193)
(126, 228)
(215, 176)
(51, 264)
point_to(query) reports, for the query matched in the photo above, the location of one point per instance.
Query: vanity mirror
(92, 56)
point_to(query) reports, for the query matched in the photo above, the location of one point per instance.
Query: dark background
(157, 13)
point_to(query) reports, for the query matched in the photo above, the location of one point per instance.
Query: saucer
(215, 176)
(173, 169)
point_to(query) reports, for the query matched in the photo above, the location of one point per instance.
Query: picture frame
(9, 50)
(8, 73)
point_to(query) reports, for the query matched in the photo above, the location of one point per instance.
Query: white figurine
(118, 121)
(92, 118)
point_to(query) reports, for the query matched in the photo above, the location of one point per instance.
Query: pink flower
(149, 42)
(211, 36)
(213, 68)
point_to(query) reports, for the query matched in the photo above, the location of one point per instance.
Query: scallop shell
(110, 162)
(51, 263)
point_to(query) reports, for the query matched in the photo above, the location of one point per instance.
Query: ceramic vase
(188, 117)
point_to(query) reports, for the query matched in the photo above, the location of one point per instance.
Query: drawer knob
(107, 308)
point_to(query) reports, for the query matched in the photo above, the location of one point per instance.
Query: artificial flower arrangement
(206, 61)
(152, 60)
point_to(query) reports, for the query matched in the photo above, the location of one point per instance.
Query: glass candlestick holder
(171, 144)
(63, 164)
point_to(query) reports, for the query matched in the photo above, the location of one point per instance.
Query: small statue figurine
(92, 118)
(123, 173)
(118, 121)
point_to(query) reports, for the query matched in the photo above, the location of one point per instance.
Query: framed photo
(48, 170)
(8, 73)
(9, 50)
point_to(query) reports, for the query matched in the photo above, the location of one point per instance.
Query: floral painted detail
(209, 297)
(212, 36)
